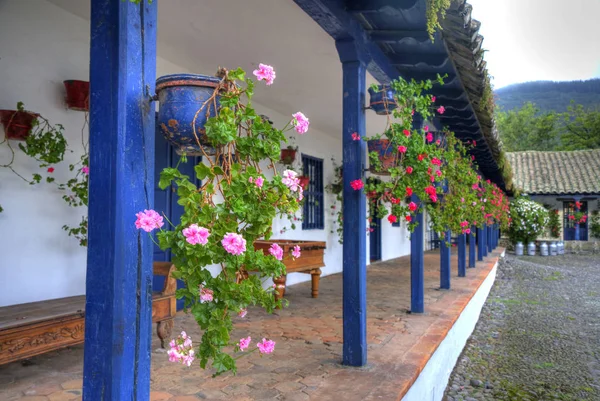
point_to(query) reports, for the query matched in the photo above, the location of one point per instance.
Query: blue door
(375, 239)
(165, 200)
(569, 225)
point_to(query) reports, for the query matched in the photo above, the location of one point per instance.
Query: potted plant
(187, 101)
(382, 99)
(224, 217)
(44, 142)
(288, 155)
(17, 123)
(529, 220)
(77, 95)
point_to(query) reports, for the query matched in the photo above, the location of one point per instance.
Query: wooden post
(462, 255)
(417, 273)
(484, 232)
(489, 239)
(480, 247)
(472, 246)
(355, 209)
(118, 316)
(445, 256)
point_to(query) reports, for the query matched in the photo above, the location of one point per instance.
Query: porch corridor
(306, 361)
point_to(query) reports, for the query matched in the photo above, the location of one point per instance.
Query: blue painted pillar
(355, 245)
(417, 275)
(445, 256)
(484, 240)
(479, 244)
(489, 239)
(462, 255)
(472, 246)
(118, 318)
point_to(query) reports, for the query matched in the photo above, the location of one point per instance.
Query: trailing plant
(436, 10)
(78, 196)
(578, 217)
(45, 143)
(336, 187)
(223, 217)
(529, 219)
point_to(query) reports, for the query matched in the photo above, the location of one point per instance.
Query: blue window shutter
(314, 215)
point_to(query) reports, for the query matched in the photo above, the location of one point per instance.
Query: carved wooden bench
(35, 328)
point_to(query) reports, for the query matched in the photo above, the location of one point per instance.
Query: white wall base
(433, 380)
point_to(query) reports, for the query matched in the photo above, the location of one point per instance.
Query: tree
(581, 128)
(528, 129)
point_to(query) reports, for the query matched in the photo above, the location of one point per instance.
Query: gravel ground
(538, 337)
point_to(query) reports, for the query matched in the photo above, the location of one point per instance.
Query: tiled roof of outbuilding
(557, 173)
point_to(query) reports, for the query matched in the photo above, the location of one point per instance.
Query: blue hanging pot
(382, 101)
(387, 154)
(181, 98)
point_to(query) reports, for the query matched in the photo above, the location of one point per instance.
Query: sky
(533, 40)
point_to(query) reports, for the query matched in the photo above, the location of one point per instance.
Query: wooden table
(310, 262)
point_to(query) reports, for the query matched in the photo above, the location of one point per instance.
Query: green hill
(549, 95)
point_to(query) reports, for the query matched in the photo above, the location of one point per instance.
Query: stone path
(538, 337)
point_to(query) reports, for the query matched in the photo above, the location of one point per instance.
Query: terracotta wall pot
(388, 155)
(78, 95)
(304, 181)
(288, 156)
(180, 97)
(17, 124)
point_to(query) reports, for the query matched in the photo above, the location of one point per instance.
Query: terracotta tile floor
(306, 363)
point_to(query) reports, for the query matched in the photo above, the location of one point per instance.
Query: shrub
(529, 219)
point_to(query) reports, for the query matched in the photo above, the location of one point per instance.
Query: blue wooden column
(355, 245)
(445, 256)
(118, 316)
(479, 244)
(490, 239)
(462, 255)
(472, 246)
(484, 236)
(417, 274)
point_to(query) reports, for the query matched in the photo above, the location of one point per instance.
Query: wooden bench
(35, 328)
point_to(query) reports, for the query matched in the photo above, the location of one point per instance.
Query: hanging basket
(304, 181)
(181, 96)
(17, 124)
(382, 101)
(78, 95)
(288, 156)
(388, 155)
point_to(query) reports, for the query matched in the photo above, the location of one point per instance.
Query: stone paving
(306, 362)
(538, 337)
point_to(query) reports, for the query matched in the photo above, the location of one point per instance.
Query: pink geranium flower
(85, 170)
(265, 72)
(357, 185)
(296, 252)
(266, 346)
(196, 235)
(206, 294)
(259, 181)
(441, 109)
(355, 136)
(433, 99)
(290, 179)
(412, 206)
(244, 343)
(429, 137)
(276, 251)
(409, 170)
(243, 312)
(234, 243)
(148, 220)
(300, 123)
(402, 149)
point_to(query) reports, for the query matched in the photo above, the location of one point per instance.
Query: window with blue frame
(396, 224)
(313, 216)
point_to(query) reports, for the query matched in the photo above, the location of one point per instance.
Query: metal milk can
(531, 249)
(544, 249)
(519, 248)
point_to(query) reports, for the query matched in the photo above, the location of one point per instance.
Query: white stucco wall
(41, 47)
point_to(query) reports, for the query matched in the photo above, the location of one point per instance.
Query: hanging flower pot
(185, 104)
(17, 124)
(382, 101)
(304, 181)
(288, 156)
(78, 95)
(388, 155)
